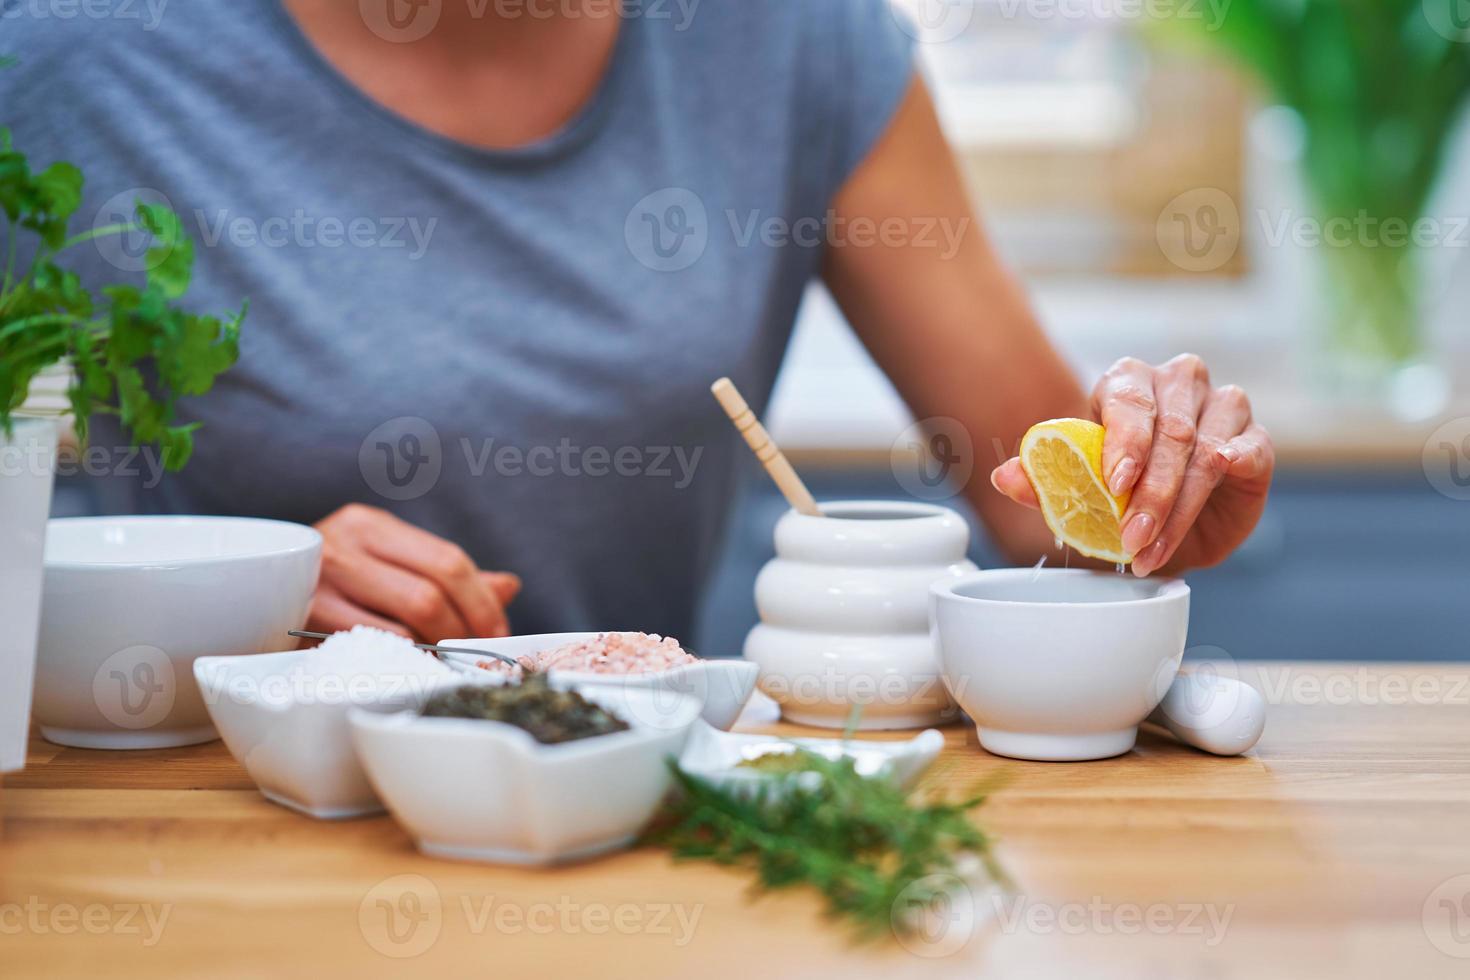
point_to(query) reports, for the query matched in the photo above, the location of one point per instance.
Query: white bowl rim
(909, 512)
(1169, 590)
(310, 539)
(590, 677)
(703, 665)
(504, 731)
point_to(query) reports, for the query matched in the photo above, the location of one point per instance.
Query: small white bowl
(476, 790)
(717, 756)
(129, 603)
(723, 686)
(291, 734)
(1059, 665)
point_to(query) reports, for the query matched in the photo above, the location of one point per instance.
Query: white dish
(291, 734)
(1059, 665)
(487, 791)
(130, 603)
(844, 613)
(722, 686)
(716, 756)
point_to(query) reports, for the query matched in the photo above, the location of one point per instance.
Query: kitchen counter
(1337, 848)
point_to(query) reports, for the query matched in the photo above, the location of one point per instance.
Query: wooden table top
(1339, 847)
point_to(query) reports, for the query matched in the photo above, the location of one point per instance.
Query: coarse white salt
(364, 650)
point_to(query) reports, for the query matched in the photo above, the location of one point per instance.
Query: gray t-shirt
(512, 349)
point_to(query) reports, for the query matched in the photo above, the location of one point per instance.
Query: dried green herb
(548, 714)
(869, 849)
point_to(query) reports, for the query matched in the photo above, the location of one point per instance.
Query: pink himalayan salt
(607, 653)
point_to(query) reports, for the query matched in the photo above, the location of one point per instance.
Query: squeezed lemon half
(1063, 459)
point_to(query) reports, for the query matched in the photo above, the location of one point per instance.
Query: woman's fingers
(472, 603)
(331, 613)
(1180, 389)
(1012, 481)
(395, 593)
(1250, 455)
(1124, 403)
(505, 585)
(1226, 414)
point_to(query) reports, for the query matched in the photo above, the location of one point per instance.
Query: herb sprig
(873, 853)
(133, 352)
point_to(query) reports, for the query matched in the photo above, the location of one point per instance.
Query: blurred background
(1281, 187)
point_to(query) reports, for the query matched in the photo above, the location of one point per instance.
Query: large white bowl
(128, 605)
(1059, 665)
(723, 686)
(487, 791)
(291, 733)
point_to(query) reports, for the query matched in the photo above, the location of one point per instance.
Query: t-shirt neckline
(577, 131)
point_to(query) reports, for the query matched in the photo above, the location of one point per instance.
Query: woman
(496, 251)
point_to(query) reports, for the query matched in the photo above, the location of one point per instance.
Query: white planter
(844, 611)
(27, 467)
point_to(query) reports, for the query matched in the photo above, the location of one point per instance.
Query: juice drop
(1036, 569)
(1120, 567)
(1059, 543)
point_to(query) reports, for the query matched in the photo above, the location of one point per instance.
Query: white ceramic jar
(844, 611)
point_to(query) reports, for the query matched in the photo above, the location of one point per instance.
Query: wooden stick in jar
(770, 455)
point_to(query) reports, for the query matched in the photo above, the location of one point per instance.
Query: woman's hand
(1198, 465)
(378, 570)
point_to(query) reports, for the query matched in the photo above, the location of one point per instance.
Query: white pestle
(1210, 711)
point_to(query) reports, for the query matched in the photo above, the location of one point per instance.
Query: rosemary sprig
(861, 842)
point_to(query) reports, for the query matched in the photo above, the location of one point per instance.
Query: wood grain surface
(1339, 848)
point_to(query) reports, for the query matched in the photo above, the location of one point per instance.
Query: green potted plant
(132, 352)
(1380, 88)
